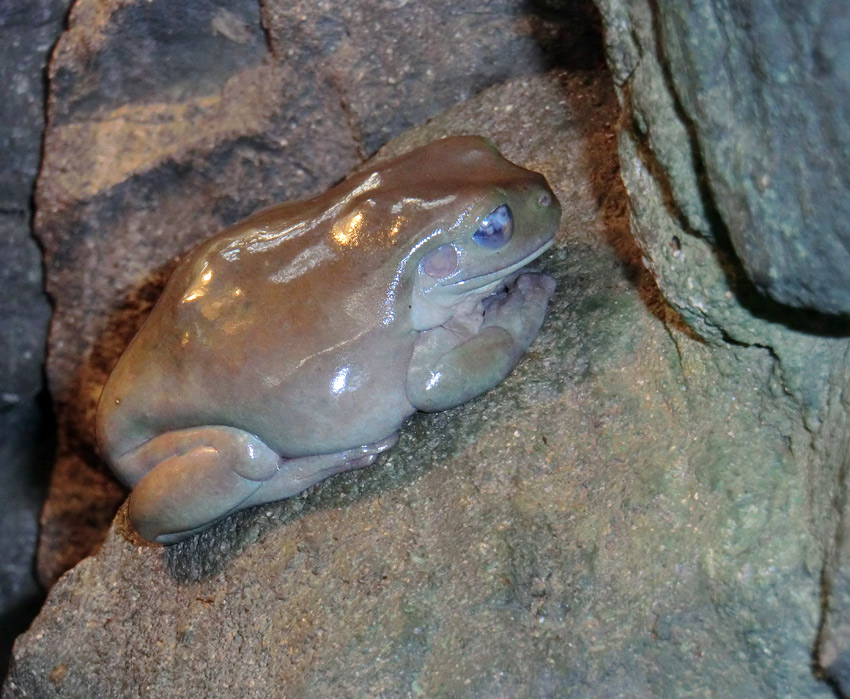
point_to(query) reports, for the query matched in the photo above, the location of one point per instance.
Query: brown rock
(621, 517)
(169, 122)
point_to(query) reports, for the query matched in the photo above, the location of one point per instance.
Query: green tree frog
(293, 345)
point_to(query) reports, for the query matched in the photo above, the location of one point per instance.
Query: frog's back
(248, 323)
(299, 318)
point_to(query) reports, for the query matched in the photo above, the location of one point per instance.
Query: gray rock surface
(654, 503)
(25, 460)
(744, 105)
(625, 516)
(170, 121)
(731, 136)
(24, 311)
(28, 30)
(833, 643)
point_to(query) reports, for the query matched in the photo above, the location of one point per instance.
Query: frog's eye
(439, 262)
(496, 228)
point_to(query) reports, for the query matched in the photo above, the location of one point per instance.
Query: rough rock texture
(169, 121)
(745, 105)
(23, 308)
(28, 29)
(625, 516)
(27, 32)
(25, 459)
(749, 150)
(653, 504)
(833, 648)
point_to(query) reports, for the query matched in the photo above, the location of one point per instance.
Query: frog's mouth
(463, 286)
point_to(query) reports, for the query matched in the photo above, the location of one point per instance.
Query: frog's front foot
(520, 307)
(444, 374)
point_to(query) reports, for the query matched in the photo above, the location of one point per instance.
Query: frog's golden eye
(439, 262)
(496, 229)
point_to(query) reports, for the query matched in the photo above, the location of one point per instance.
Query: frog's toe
(360, 457)
(300, 473)
(382, 445)
(495, 300)
(533, 284)
(359, 462)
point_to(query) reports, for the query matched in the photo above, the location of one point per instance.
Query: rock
(833, 643)
(743, 105)
(730, 139)
(28, 30)
(833, 648)
(169, 122)
(24, 310)
(25, 459)
(626, 515)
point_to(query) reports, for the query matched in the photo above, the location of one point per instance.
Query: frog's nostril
(544, 199)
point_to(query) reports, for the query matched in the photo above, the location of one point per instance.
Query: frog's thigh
(188, 492)
(439, 379)
(205, 473)
(135, 465)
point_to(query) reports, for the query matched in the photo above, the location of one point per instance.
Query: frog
(293, 345)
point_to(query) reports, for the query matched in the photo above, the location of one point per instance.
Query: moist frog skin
(293, 345)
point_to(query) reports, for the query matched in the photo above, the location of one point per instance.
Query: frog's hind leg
(299, 474)
(204, 474)
(192, 478)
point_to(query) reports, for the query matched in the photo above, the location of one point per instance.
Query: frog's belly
(329, 411)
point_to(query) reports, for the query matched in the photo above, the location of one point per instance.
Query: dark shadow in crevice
(569, 34)
(602, 163)
(27, 444)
